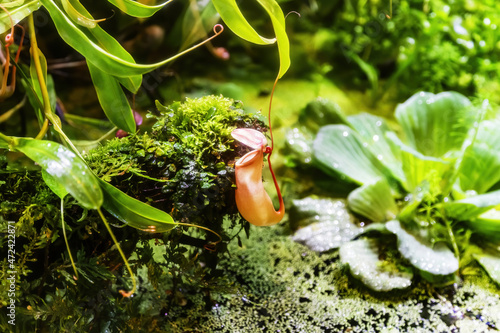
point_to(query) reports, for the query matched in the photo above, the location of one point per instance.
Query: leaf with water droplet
(435, 259)
(65, 167)
(328, 223)
(474, 206)
(417, 167)
(372, 130)
(480, 166)
(362, 256)
(374, 201)
(435, 124)
(338, 149)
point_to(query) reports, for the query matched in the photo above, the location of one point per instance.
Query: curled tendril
(218, 29)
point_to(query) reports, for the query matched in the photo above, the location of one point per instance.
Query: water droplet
(486, 21)
(380, 157)
(378, 123)
(345, 133)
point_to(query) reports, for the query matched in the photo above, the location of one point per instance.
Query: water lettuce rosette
(430, 184)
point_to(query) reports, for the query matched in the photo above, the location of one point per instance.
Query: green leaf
(491, 265)
(113, 100)
(321, 112)
(435, 124)
(418, 167)
(480, 166)
(487, 224)
(374, 201)
(232, 16)
(325, 223)
(372, 130)
(133, 212)
(17, 13)
(65, 167)
(363, 255)
(338, 149)
(436, 260)
(137, 9)
(197, 21)
(98, 47)
(56, 187)
(108, 43)
(76, 16)
(474, 206)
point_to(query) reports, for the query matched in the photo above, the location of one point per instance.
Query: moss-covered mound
(184, 166)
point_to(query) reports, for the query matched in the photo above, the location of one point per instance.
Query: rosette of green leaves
(434, 179)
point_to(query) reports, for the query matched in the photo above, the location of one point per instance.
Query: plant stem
(118, 247)
(39, 72)
(66, 239)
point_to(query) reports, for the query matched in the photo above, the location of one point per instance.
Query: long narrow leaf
(113, 100)
(65, 167)
(17, 13)
(88, 43)
(232, 16)
(110, 44)
(137, 9)
(133, 212)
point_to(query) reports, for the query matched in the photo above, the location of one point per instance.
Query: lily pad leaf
(372, 130)
(338, 149)
(362, 256)
(436, 260)
(326, 223)
(374, 201)
(468, 208)
(487, 224)
(480, 166)
(133, 212)
(65, 167)
(435, 124)
(491, 265)
(416, 166)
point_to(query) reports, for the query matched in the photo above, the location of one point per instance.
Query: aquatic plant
(430, 191)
